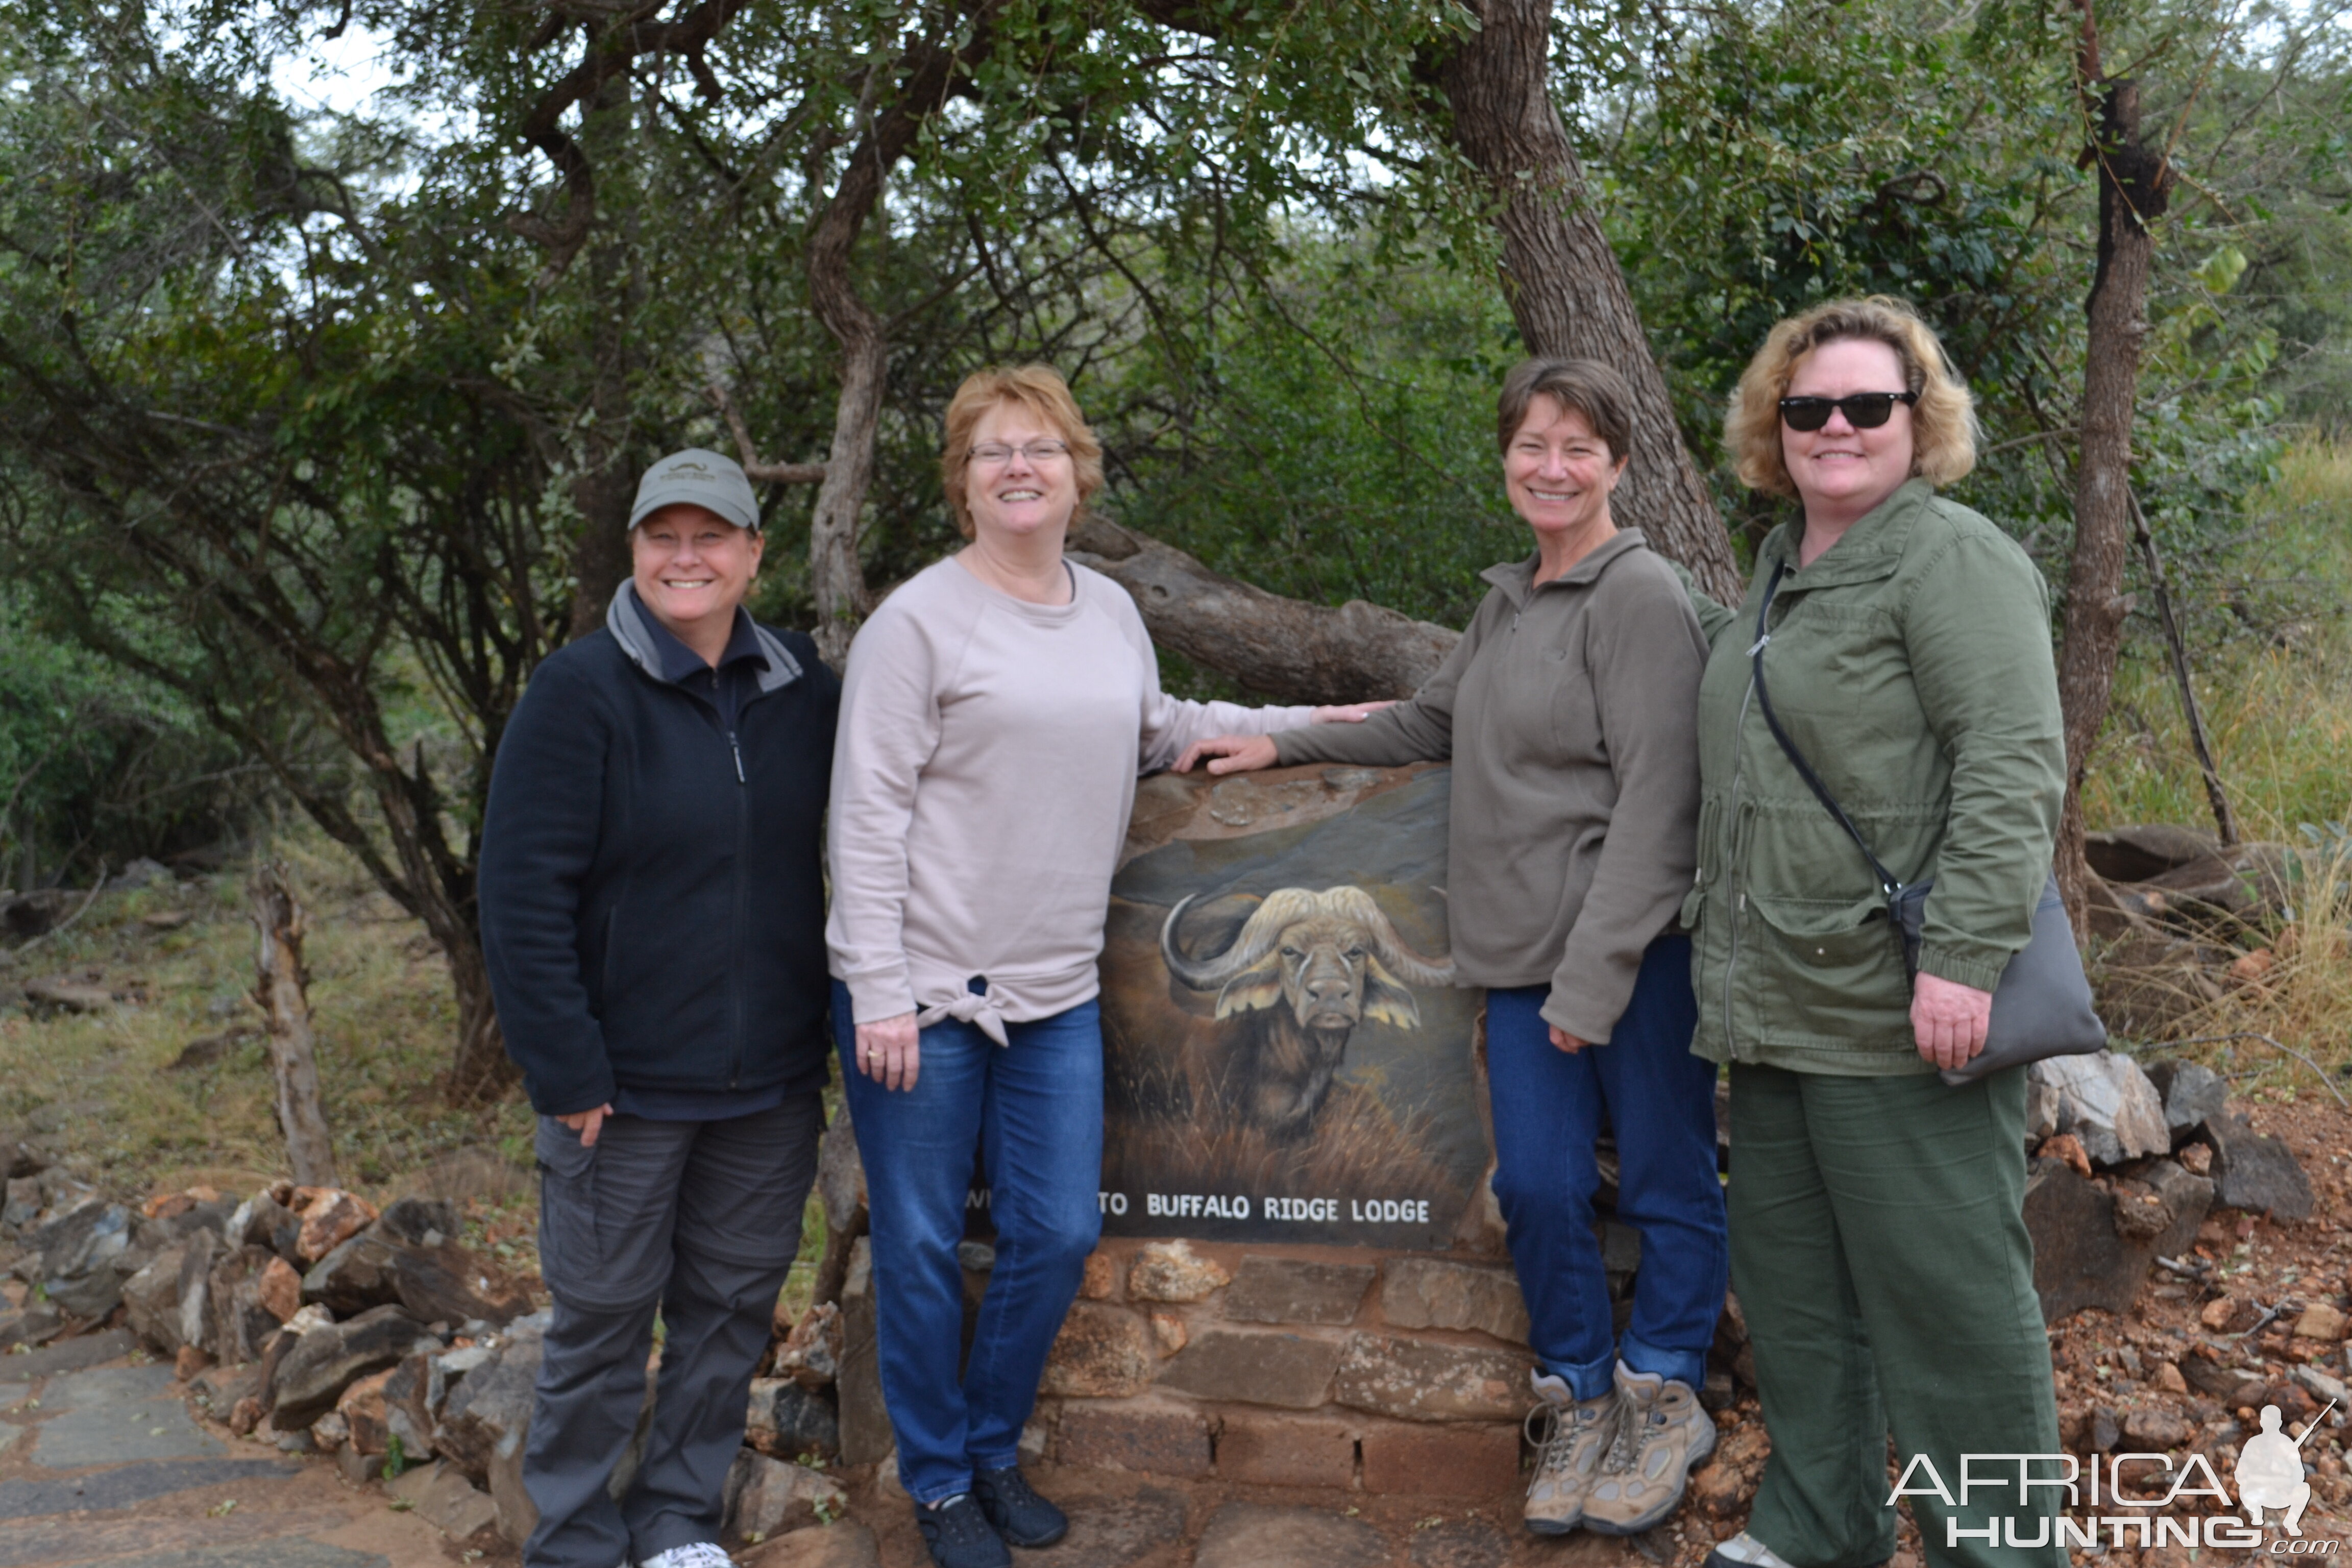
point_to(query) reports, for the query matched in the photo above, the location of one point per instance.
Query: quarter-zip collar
(635, 630)
(680, 664)
(1517, 579)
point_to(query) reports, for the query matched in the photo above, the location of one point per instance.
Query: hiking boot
(1569, 1436)
(1661, 1433)
(958, 1536)
(1018, 1514)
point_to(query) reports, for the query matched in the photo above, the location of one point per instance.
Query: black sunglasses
(1863, 410)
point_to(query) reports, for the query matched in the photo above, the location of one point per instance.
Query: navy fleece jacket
(651, 886)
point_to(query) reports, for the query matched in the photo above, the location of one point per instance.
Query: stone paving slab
(1254, 1535)
(77, 1542)
(106, 1386)
(71, 1355)
(127, 1486)
(1460, 1543)
(260, 1555)
(118, 1415)
(844, 1544)
(1111, 1533)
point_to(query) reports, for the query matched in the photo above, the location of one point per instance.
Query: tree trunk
(279, 987)
(1566, 290)
(605, 486)
(836, 578)
(1286, 649)
(2132, 189)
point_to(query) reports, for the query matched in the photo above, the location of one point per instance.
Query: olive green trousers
(1879, 1250)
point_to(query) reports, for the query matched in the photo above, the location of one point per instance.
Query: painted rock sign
(1286, 1055)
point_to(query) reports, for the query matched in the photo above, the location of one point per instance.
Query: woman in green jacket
(1878, 1246)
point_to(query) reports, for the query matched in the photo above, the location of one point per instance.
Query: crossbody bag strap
(1888, 884)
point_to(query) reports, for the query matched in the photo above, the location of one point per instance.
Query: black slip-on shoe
(1018, 1514)
(959, 1537)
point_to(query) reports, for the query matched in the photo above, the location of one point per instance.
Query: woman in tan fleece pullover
(1570, 711)
(996, 714)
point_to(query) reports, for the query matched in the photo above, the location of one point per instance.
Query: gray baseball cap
(697, 477)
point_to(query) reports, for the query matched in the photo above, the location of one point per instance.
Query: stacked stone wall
(1306, 1366)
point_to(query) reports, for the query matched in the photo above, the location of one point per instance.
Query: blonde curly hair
(1943, 421)
(1040, 390)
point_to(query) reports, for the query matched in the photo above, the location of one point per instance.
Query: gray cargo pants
(700, 1220)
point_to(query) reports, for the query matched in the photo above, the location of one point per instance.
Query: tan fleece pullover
(982, 779)
(1570, 710)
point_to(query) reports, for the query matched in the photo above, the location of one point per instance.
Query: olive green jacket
(1911, 664)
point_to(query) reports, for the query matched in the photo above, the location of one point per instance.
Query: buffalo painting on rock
(1287, 1057)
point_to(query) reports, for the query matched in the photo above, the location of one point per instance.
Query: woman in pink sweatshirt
(996, 712)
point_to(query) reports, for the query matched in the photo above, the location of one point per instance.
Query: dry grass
(2278, 709)
(2280, 716)
(2285, 1017)
(101, 1090)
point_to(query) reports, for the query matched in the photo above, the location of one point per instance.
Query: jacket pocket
(570, 1256)
(1835, 971)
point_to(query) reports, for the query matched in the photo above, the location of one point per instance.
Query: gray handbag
(2042, 1006)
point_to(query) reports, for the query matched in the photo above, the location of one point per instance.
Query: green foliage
(2277, 705)
(98, 763)
(1756, 161)
(1346, 449)
(302, 420)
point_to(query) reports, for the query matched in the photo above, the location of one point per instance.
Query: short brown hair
(1943, 421)
(1039, 389)
(1585, 386)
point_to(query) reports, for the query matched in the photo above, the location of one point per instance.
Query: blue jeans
(1549, 1110)
(1034, 1110)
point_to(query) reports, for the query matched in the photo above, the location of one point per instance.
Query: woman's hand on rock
(889, 1052)
(1229, 753)
(1350, 712)
(1949, 1019)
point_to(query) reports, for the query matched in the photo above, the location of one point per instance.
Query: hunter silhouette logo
(2128, 1498)
(2269, 1471)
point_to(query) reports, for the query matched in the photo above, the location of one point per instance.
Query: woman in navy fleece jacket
(653, 912)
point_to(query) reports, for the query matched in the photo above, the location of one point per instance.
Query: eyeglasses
(1863, 410)
(996, 453)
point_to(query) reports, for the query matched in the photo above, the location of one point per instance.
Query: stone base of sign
(1467, 1460)
(1298, 1366)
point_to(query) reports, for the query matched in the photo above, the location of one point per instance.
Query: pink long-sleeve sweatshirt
(982, 779)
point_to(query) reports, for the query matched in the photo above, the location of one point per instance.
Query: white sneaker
(1749, 1553)
(698, 1555)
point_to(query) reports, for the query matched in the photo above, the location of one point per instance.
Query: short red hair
(1040, 390)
